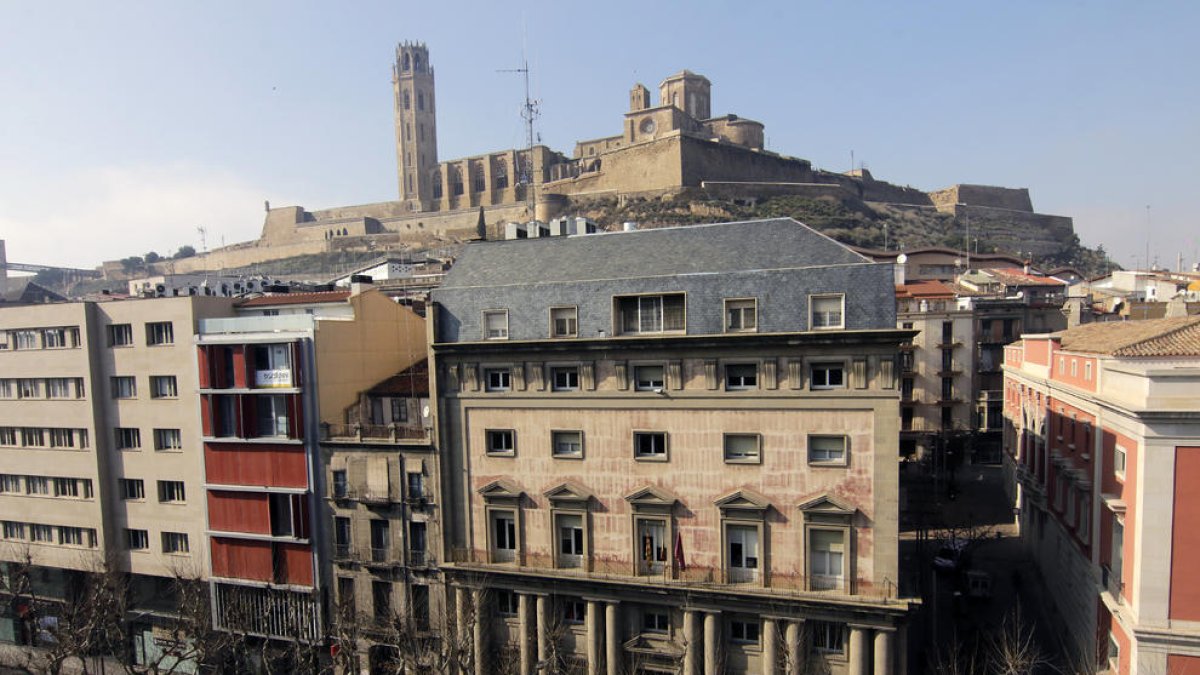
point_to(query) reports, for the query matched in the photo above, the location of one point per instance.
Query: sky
(127, 127)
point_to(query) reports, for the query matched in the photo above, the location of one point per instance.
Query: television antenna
(529, 112)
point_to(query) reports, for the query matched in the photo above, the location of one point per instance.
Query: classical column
(883, 651)
(525, 618)
(612, 639)
(477, 624)
(593, 637)
(543, 627)
(691, 638)
(712, 640)
(858, 651)
(795, 655)
(770, 652)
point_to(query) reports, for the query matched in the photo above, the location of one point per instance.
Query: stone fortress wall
(671, 148)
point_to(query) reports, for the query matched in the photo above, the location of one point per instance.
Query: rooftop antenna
(529, 112)
(1147, 236)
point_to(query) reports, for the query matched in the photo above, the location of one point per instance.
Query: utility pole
(529, 112)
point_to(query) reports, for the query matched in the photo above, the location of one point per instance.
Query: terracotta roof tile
(924, 288)
(1178, 336)
(273, 299)
(1015, 276)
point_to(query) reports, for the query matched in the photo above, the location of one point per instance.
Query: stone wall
(1013, 199)
(703, 160)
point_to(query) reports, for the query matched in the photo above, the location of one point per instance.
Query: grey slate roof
(778, 243)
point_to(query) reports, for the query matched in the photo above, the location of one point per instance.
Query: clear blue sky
(124, 126)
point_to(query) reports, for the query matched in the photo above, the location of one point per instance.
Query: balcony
(949, 369)
(372, 433)
(342, 551)
(949, 343)
(420, 559)
(911, 397)
(919, 424)
(380, 555)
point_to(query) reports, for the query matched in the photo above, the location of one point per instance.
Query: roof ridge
(1189, 324)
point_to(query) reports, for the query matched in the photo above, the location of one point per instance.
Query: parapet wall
(1013, 199)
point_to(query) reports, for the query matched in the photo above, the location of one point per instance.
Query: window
(175, 542)
(160, 333)
(652, 546)
(7, 389)
(29, 388)
(14, 530)
(826, 555)
(567, 443)
(1087, 371)
(741, 315)
(828, 376)
(744, 631)
(41, 533)
(10, 483)
(25, 339)
(416, 485)
(742, 552)
(656, 620)
(1119, 462)
(167, 439)
(1084, 527)
(163, 386)
(133, 488)
(171, 491)
(137, 540)
(827, 450)
(272, 415)
(120, 335)
(62, 438)
(33, 437)
(1074, 367)
(124, 386)
(504, 536)
(399, 410)
(501, 441)
(506, 603)
(570, 539)
(564, 378)
(72, 488)
(741, 376)
(648, 378)
(341, 489)
(827, 311)
(345, 595)
(8, 436)
(70, 536)
(381, 542)
(650, 445)
(495, 324)
(128, 438)
(341, 537)
(742, 448)
(417, 542)
(574, 611)
(564, 322)
(37, 485)
(497, 379)
(827, 636)
(64, 387)
(650, 314)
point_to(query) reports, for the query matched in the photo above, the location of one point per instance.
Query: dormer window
(650, 314)
(827, 311)
(495, 324)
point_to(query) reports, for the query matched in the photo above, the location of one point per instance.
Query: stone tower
(416, 125)
(689, 92)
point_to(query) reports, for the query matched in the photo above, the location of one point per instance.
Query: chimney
(1026, 267)
(360, 283)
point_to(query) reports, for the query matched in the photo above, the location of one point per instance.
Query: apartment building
(951, 379)
(383, 500)
(270, 379)
(1102, 443)
(100, 460)
(671, 450)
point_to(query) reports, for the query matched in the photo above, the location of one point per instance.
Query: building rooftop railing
(372, 433)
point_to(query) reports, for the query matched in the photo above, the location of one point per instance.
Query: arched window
(500, 176)
(437, 184)
(404, 63)
(477, 177)
(407, 104)
(408, 131)
(417, 62)
(420, 100)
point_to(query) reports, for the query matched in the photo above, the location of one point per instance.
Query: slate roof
(1178, 336)
(778, 243)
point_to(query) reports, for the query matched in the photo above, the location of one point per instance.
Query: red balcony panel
(239, 512)
(296, 369)
(206, 417)
(242, 559)
(239, 367)
(205, 367)
(256, 464)
(249, 417)
(295, 417)
(296, 564)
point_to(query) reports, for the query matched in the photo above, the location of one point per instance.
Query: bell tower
(416, 124)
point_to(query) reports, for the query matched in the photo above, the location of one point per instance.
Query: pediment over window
(569, 493)
(827, 508)
(651, 497)
(501, 490)
(745, 502)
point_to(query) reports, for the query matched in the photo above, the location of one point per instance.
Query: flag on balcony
(680, 563)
